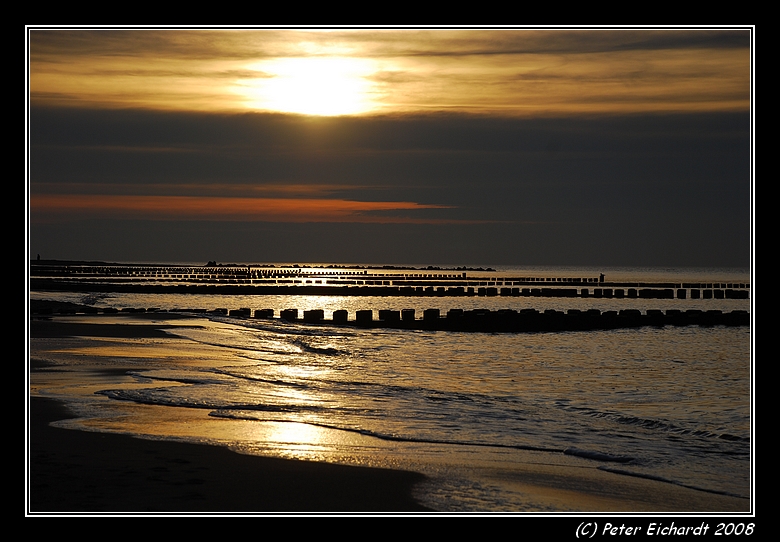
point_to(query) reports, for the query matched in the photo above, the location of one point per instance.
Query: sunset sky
(423, 146)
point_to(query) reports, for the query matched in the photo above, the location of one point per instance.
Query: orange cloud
(222, 208)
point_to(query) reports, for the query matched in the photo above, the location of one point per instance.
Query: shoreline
(73, 472)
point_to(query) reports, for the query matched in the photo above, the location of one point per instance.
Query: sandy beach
(74, 471)
(78, 471)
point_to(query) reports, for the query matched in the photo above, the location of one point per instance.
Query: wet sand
(78, 471)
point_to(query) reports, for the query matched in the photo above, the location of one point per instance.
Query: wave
(159, 397)
(234, 413)
(598, 456)
(668, 481)
(652, 424)
(312, 349)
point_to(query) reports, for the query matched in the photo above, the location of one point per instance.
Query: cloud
(252, 44)
(81, 206)
(510, 72)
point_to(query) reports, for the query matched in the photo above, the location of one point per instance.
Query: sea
(467, 409)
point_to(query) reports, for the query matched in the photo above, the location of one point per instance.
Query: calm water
(667, 403)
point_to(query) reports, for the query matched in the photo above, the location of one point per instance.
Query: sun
(326, 86)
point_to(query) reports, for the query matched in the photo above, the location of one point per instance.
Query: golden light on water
(312, 86)
(295, 433)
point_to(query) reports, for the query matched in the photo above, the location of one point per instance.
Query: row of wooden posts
(508, 320)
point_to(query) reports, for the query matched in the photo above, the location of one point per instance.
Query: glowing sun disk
(312, 86)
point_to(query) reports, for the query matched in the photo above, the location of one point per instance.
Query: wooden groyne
(637, 291)
(479, 320)
(508, 320)
(295, 281)
(165, 281)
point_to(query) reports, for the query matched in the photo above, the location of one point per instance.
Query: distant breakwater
(339, 282)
